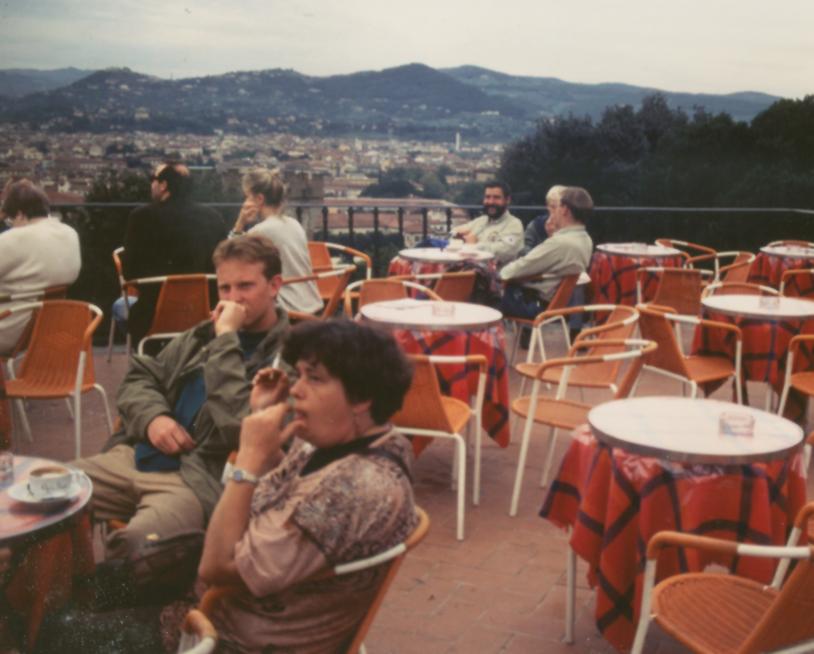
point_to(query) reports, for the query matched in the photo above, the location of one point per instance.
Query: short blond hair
(267, 183)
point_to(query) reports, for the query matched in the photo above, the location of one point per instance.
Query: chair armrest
(797, 341)
(665, 539)
(196, 622)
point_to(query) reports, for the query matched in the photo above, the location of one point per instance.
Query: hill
(412, 101)
(17, 82)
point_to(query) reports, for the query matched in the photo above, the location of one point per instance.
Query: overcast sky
(715, 46)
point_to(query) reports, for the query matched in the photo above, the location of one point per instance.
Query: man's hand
(551, 225)
(168, 436)
(261, 438)
(269, 386)
(469, 237)
(228, 317)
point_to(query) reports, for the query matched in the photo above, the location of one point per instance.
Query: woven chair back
(423, 407)
(654, 326)
(182, 303)
(680, 289)
(789, 619)
(456, 286)
(62, 329)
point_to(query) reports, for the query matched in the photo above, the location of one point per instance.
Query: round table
(688, 430)
(18, 520)
(445, 256)
(790, 251)
(760, 307)
(638, 250)
(431, 315)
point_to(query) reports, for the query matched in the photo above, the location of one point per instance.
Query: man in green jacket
(181, 410)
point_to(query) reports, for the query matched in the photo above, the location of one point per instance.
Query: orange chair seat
(562, 414)
(694, 607)
(457, 411)
(803, 382)
(29, 388)
(703, 369)
(585, 376)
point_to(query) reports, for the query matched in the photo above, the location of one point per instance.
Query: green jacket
(152, 386)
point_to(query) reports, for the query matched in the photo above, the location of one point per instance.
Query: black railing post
(324, 223)
(376, 236)
(449, 219)
(401, 222)
(350, 226)
(425, 216)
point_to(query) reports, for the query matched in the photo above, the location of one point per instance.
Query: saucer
(20, 493)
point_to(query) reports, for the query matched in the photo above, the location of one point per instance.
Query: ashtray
(736, 423)
(443, 309)
(768, 301)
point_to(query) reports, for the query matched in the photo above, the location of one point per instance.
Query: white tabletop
(760, 306)
(638, 250)
(436, 255)
(431, 315)
(791, 251)
(688, 430)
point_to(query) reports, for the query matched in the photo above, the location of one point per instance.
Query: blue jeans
(119, 311)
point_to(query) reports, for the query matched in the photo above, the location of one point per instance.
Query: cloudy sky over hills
(712, 46)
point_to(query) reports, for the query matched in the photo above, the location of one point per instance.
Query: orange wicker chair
(789, 284)
(655, 323)
(59, 359)
(367, 291)
(129, 293)
(392, 558)
(802, 524)
(426, 412)
(683, 246)
(735, 271)
(198, 634)
(451, 286)
(802, 381)
(321, 261)
(559, 300)
(679, 288)
(560, 413)
(335, 279)
(182, 303)
(738, 288)
(620, 323)
(717, 614)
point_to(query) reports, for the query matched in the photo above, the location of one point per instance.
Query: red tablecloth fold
(43, 579)
(613, 277)
(616, 501)
(459, 382)
(768, 269)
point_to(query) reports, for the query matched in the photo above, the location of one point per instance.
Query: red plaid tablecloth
(768, 269)
(613, 277)
(400, 266)
(459, 382)
(765, 346)
(616, 501)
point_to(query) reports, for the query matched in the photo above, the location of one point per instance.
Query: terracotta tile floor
(501, 590)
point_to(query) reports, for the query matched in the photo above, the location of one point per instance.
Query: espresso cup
(49, 481)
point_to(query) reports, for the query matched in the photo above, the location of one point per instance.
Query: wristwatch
(241, 476)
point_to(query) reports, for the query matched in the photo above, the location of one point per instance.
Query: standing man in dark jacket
(181, 411)
(170, 236)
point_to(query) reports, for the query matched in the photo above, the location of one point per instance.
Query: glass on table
(769, 301)
(443, 309)
(736, 423)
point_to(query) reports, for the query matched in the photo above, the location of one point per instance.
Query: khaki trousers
(157, 503)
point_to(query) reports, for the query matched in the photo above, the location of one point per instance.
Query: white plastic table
(688, 430)
(445, 256)
(789, 251)
(760, 307)
(431, 315)
(638, 250)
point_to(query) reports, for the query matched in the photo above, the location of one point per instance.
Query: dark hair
(503, 186)
(367, 361)
(176, 176)
(252, 248)
(23, 196)
(579, 202)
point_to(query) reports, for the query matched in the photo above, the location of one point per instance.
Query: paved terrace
(501, 590)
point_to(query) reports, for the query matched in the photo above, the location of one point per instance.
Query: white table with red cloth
(773, 260)
(615, 499)
(456, 328)
(614, 265)
(421, 261)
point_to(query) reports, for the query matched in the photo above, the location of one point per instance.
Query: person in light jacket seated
(38, 252)
(567, 251)
(262, 213)
(496, 231)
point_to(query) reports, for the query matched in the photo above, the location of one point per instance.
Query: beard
(494, 210)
